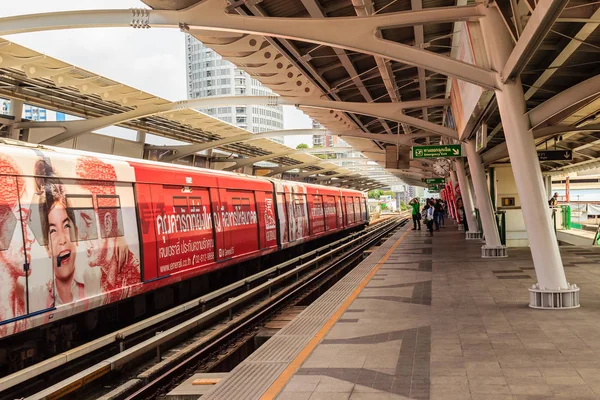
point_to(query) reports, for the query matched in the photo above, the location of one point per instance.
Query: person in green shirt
(416, 214)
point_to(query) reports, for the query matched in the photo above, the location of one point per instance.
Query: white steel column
(523, 157)
(465, 192)
(15, 109)
(141, 137)
(484, 202)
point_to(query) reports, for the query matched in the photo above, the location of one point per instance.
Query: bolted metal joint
(140, 18)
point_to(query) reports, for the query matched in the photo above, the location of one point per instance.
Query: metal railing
(501, 223)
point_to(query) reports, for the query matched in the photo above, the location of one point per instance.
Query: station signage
(449, 150)
(555, 155)
(434, 181)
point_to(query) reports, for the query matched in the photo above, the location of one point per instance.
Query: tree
(375, 194)
(302, 146)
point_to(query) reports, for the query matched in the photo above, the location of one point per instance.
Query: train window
(109, 213)
(180, 204)
(242, 203)
(82, 211)
(195, 204)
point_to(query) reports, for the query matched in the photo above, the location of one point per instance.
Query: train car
(79, 231)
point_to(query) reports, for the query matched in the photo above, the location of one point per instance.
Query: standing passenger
(416, 214)
(429, 216)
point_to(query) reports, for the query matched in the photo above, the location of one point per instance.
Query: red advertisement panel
(68, 234)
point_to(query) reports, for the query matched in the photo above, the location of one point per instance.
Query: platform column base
(461, 227)
(494, 252)
(474, 235)
(554, 299)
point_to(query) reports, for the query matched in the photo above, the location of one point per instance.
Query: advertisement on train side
(68, 233)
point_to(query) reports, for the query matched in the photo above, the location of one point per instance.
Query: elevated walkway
(427, 318)
(575, 237)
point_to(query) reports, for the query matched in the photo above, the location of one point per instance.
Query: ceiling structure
(53, 84)
(567, 55)
(561, 56)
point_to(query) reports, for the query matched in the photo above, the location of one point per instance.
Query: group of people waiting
(433, 213)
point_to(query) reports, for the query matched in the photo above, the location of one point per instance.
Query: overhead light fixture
(588, 121)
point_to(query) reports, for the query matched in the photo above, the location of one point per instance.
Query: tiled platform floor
(438, 322)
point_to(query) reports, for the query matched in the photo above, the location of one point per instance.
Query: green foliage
(302, 146)
(375, 194)
(383, 206)
(403, 206)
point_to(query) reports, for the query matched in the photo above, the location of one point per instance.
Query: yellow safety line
(291, 369)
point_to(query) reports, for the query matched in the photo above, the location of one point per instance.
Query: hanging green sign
(434, 181)
(449, 150)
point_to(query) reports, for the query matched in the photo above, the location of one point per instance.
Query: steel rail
(152, 387)
(47, 365)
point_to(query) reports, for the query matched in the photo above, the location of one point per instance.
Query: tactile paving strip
(251, 378)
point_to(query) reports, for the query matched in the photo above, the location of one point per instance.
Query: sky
(152, 60)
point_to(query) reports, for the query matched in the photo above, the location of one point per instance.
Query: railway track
(222, 319)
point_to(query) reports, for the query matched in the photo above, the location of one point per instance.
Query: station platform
(428, 318)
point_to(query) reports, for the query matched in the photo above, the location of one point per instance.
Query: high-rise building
(323, 140)
(208, 74)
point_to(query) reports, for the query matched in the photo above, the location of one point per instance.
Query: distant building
(209, 75)
(323, 140)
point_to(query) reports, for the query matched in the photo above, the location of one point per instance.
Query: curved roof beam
(322, 170)
(286, 168)
(390, 111)
(76, 128)
(351, 33)
(242, 162)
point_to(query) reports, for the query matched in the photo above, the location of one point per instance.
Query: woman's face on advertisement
(59, 235)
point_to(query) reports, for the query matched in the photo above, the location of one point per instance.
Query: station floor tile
(439, 322)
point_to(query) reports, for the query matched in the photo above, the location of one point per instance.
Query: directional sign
(449, 150)
(555, 155)
(434, 181)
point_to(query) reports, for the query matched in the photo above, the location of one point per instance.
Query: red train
(79, 230)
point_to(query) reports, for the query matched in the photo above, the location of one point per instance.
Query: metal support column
(453, 183)
(15, 109)
(465, 192)
(493, 246)
(552, 289)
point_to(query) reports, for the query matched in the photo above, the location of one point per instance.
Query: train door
(357, 213)
(349, 210)
(339, 211)
(240, 224)
(330, 213)
(317, 216)
(266, 219)
(301, 216)
(190, 229)
(158, 197)
(147, 223)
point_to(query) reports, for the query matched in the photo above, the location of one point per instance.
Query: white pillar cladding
(15, 109)
(484, 202)
(465, 192)
(552, 290)
(141, 137)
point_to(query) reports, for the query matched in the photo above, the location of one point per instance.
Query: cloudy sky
(152, 60)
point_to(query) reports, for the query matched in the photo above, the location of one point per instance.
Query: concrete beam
(350, 33)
